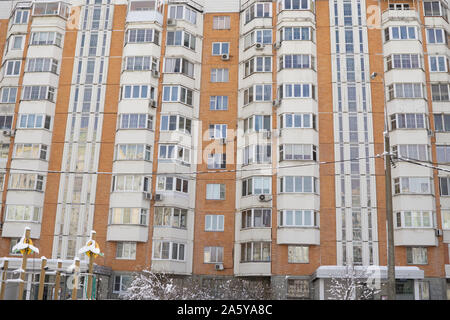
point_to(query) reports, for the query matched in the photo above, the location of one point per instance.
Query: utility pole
(388, 187)
(389, 218)
(5, 269)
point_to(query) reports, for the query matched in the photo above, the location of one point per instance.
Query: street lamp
(389, 213)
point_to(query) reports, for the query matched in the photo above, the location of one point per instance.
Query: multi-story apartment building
(222, 139)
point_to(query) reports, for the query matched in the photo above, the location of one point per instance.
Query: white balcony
(253, 269)
(400, 15)
(15, 229)
(145, 16)
(298, 236)
(123, 232)
(415, 237)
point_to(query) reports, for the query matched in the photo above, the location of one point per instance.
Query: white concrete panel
(12, 229)
(135, 233)
(211, 6)
(413, 202)
(298, 236)
(298, 201)
(415, 237)
(170, 234)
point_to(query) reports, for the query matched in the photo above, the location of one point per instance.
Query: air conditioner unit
(218, 266)
(171, 22)
(158, 197)
(267, 135)
(8, 133)
(152, 103)
(277, 45)
(259, 46)
(147, 196)
(276, 103)
(155, 73)
(439, 232)
(265, 197)
(225, 57)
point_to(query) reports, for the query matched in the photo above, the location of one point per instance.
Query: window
(412, 151)
(135, 121)
(415, 219)
(406, 91)
(298, 288)
(130, 183)
(141, 63)
(133, 152)
(179, 65)
(262, 36)
(298, 218)
(170, 217)
(221, 22)
(12, 67)
(440, 92)
(258, 251)
(215, 191)
(217, 131)
(438, 63)
(400, 33)
(435, 9)
(34, 121)
(218, 102)
(298, 184)
(42, 65)
(297, 90)
(46, 38)
(257, 64)
(23, 213)
(294, 5)
(219, 75)
(296, 61)
(176, 123)
(444, 186)
(21, 16)
(257, 123)
(30, 151)
(258, 10)
(409, 121)
(256, 218)
(258, 93)
(398, 6)
(138, 92)
(136, 216)
(256, 186)
(121, 283)
(9, 94)
(403, 61)
(220, 48)
(5, 122)
(2, 180)
(165, 250)
(445, 219)
(296, 33)
(51, 8)
(259, 153)
(213, 255)
(126, 250)
(214, 222)
(142, 36)
(436, 36)
(16, 42)
(442, 122)
(151, 5)
(181, 38)
(167, 183)
(412, 185)
(178, 94)
(217, 161)
(174, 152)
(4, 150)
(443, 154)
(297, 120)
(35, 93)
(26, 181)
(183, 13)
(416, 255)
(298, 254)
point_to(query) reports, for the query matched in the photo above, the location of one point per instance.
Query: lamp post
(389, 213)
